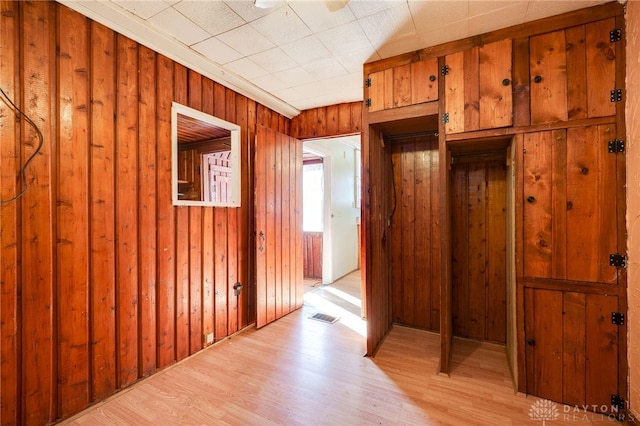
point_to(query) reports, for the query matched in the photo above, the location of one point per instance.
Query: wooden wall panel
(9, 219)
(72, 248)
(312, 246)
(147, 210)
(377, 177)
(103, 280)
(478, 221)
(329, 121)
(126, 201)
(413, 243)
(166, 235)
(37, 234)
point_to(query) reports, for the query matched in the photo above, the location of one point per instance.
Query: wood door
(574, 353)
(278, 183)
(404, 85)
(478, 92)
(572, 73)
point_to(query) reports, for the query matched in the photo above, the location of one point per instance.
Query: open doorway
(331, 221)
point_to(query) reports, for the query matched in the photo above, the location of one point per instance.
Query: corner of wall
(633, 200)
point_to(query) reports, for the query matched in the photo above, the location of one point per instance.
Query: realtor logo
(543, 410)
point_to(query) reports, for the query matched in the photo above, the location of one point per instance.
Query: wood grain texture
(405, 370)
(72, 233)
(312, 262)
(108, 267)
(9, 220)
(279, 261)
(328, 121)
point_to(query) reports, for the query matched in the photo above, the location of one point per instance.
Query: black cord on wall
(23, 170)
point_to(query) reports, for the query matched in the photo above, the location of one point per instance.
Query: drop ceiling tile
(281, 26)
(295, 76)
(503, 17)
(428, 15)
(247, 10)
(542, 9)
(325, 68)
(346, 39)
(143, 9)
(246, 68)
(306, 50)
(246, 40)
(382, 26)
(214, 17)
(273, 60)
(317, 16)
(174, 23)
(455, 31)
(217, 51)
(363, 8)
(400, 45)
(270, 83)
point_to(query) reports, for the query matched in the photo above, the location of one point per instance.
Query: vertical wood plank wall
(312, 252)
(103, 280)
(478, 265)
(415, 235)
(332, 120)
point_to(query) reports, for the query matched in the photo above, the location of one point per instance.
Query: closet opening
(482, 217)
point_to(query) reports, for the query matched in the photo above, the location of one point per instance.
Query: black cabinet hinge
(367, 103)
(616, 146)
(367, 83)
(616, 95)
(618, 260)
(445, 70)
(617, 402)
(617, 318)
(445, 118)
(615, 35)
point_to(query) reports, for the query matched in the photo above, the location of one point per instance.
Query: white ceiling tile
(543, 8)
(345, 39)
(281, 26)
(503, 17)
(177, 25)
(428, 15)
(383, 26)
(215, 17)
(318, 17)
(247, 10)
(246, 40)
(143, 9)
(295, 76)
(246, 68)
(325, 68)
(362, 8)
(306, 50)
(216, 50)
(455, 31)
(270, 83)
(273, 60)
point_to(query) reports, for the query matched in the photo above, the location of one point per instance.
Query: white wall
(340, 238)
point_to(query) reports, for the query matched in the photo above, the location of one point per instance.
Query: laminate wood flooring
(298, 371)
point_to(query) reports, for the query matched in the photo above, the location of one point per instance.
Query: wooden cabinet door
(278, 212)
(572, 73)
(570, 211)
(571, 351)
(478, 90)
(404, 85)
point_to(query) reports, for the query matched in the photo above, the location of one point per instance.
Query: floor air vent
(324, 318)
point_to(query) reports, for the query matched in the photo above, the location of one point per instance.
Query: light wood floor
(299, 371)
